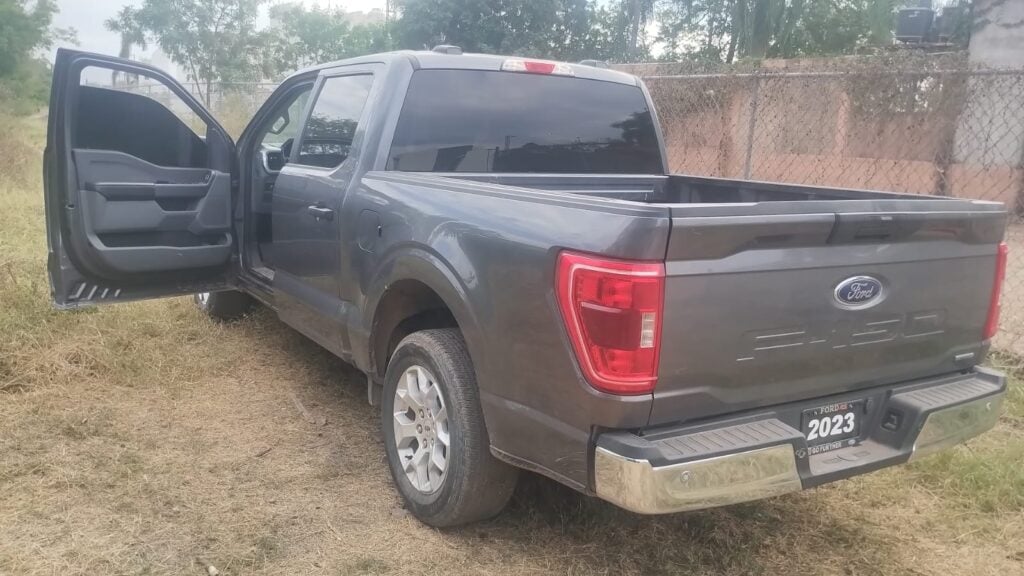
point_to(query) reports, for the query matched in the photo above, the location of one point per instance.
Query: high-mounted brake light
(537, 67)
(612, 310)
(992, 322)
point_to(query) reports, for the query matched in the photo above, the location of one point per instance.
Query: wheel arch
(419, 293)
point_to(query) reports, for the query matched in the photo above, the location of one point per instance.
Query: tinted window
(137, 115)
(332, 125)
(478, 121)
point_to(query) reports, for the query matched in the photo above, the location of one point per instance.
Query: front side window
(138, 115)
(332, 124)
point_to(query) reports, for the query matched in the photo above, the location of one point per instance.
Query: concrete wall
(927, 126)
(997, 39)
(989, 140)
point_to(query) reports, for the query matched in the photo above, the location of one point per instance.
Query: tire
(224, 306)
(474, 484)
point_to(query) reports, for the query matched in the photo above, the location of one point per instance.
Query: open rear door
(138, 185)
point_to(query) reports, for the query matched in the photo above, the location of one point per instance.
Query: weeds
(985, 478)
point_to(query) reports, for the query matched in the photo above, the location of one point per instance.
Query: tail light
(612, 310)
(537, 67)
(992, 322)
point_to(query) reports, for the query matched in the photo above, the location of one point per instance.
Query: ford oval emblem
(858, 292)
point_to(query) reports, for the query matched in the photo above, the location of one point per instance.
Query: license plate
(832, 426)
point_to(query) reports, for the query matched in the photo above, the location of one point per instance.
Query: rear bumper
(756, 456)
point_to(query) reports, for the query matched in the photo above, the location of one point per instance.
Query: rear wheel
(224, 306)
(434, 434)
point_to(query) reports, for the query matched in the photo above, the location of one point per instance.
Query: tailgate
(776, 302)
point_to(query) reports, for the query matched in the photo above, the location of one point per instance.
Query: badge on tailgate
(858, 292)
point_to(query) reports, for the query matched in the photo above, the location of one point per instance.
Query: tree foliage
(25, 31)
(212, 40)
(722, 30)
(621, 30)
(561, 29)
(126, 25)
(217, 40)
(301, 37)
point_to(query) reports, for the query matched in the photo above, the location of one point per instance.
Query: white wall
(998, 38)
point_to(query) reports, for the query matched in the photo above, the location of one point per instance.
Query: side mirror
(286, 148)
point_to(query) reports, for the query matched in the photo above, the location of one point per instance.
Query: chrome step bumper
(764, 454)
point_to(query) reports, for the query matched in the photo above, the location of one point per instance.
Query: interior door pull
(321, 213)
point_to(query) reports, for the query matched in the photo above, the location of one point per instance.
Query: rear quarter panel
(493, 249)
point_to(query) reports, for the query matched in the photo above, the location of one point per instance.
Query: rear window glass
(480, 121)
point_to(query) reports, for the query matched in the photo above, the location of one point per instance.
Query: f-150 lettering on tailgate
(841, 334)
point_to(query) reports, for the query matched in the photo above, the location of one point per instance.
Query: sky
(87, 16)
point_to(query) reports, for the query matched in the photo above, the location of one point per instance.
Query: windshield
(481, 121)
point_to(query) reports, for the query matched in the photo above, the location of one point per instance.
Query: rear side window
(481, 121)
(328, 134)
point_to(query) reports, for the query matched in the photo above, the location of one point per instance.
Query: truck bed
(750, 317)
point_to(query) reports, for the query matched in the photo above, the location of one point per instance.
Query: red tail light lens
(612, 310)
(992, 322)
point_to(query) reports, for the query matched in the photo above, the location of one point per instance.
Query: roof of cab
(425, 59)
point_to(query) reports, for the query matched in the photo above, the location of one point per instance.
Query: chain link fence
(947, 131)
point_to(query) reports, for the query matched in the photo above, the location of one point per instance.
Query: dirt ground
(144, 439)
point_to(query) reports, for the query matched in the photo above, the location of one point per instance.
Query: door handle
(321, 213)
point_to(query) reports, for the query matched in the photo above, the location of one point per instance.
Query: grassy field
(143, 439)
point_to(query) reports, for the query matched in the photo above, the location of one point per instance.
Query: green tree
(608, 36)
(699, 29)
(634, 17)
(25, 31)
(126, 25)
(561, 29)
(301, 37)
(721, 30)
(213, 40)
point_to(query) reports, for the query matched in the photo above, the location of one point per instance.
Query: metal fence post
(752, 126)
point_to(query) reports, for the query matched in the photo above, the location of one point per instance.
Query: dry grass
(143, 439)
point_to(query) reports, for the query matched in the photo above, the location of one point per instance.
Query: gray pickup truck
(496, 243)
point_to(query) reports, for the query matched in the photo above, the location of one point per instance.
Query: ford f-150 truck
(497, 243)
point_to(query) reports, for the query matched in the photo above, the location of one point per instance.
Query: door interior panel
(139, 217)
(138, 185)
